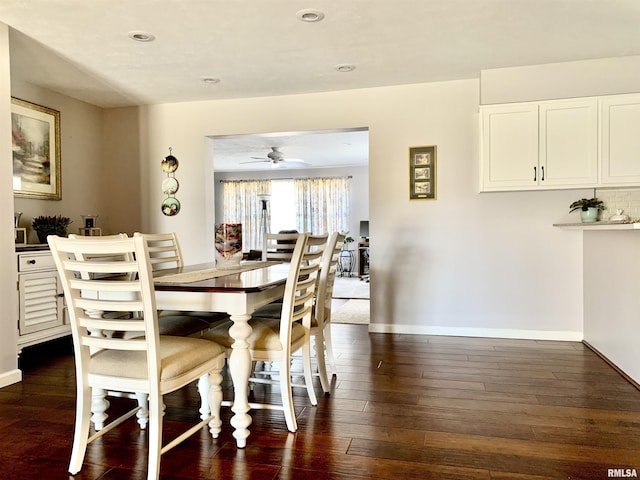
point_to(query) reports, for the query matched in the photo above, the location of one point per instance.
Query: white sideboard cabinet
(539, 145)
(41, 312)
(620, 140)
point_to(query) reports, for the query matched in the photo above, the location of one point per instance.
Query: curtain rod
(286, 178)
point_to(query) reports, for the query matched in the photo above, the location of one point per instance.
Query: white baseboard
(10, 377)
(566, 336)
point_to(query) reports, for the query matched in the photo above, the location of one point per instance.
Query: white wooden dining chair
(150, 363)
(165, 252)
(278, 246)
(329, 252)
(321, 316)
(275, 340)
(164, 249)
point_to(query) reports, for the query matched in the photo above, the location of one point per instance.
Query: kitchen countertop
(599, 226)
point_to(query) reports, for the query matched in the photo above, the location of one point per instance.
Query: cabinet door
(568, 143)
(509, 147)
(41, 302)
(620, 140)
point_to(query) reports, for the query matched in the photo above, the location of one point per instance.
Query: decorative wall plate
(171, 206)
(170, 186)
(169, 164)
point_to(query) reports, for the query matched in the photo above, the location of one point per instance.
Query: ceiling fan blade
(257, 161)
(294, 160)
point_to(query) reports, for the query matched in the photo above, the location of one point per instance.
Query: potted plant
(589, 209)
(347, 240)
(50, 225)
(346, 259)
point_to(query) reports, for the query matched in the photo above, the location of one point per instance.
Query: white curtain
(241, 205)
(322, 204)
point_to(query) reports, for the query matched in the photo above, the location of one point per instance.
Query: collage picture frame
(422, 173)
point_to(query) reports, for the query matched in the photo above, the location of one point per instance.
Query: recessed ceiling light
(310, 15)
(345, 67)
(141, 36)
(210, 80)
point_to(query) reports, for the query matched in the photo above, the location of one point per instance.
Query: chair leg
(81, 434)
(215, 402)
(287, 395)
(99, 405)
(308, 375)
(143, 413)
(328, 347)
(155, 436)
(318, 344)
(203, 390)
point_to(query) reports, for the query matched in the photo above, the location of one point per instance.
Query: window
(316, 205)
(282, 206)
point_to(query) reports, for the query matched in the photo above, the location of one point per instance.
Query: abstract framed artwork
(422, 173)
(35, 132)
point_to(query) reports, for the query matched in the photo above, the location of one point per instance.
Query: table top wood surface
(257, 280)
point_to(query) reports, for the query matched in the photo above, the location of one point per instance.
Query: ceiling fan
(276, 158)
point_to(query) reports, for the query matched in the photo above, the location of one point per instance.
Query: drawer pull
(31, 262)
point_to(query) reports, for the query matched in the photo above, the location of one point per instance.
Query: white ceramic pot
(590, 215)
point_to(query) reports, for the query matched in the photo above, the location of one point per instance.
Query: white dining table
(237, 292)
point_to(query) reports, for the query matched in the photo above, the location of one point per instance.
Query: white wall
(81, 157)
(85, 187)
(611, 301)
(466, 263)
(9, 372)
(586, 78)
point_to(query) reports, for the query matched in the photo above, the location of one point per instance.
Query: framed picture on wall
(422, 173)
(35, 132)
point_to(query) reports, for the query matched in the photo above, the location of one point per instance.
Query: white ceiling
(315, 149)
(261, 48)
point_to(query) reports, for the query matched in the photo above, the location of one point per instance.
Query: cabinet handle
(535, 176)
(542, 171)
(31, 262)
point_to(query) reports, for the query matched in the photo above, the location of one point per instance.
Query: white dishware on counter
(619, 217)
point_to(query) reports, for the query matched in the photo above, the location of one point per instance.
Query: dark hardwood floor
(402, 407)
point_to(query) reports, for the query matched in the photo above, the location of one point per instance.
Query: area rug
(352, 311)
(350, 287)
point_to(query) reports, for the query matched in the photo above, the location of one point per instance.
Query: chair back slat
(104, 343)
(105, 257)
(129, 325)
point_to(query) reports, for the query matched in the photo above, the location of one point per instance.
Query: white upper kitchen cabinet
(620, 140)
(569, 143)
(509, 147)
(541, 145)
